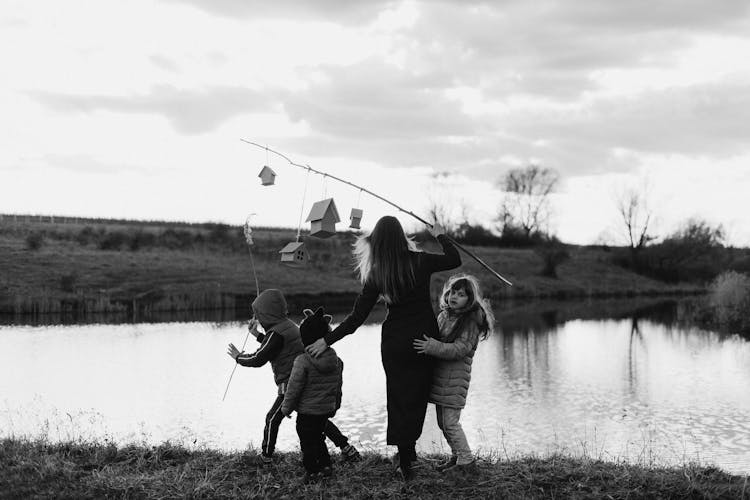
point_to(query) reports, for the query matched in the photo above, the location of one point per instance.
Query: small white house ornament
(294, 254)
(323, 218)
(267, 176)
(355, 217)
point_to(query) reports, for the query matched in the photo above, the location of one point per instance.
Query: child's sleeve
(341, 382)
(362, 306)
(457, 349)
(449, 260)
(269, 349)
(295, 385)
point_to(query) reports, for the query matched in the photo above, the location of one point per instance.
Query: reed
(41, 469)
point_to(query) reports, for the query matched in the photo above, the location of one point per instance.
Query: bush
(553, 254)
(68, 282)
(730, 300)
(517, 237)
(113, 241)
(86, 236)
(477, 235)
(694, 253)
(176, 239)
(141, 239)
(34, 241)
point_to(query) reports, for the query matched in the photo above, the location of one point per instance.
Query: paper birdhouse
(294, 254)
(323, 218)
(355, 217)
(267, 176)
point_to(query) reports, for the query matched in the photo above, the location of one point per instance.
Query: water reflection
(617, 381)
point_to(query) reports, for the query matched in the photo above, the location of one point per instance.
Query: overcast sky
(135, 109)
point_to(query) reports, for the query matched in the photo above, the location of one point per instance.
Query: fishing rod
(408, 212)
(248, 231)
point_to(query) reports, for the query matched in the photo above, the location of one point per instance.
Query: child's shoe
(311, 477)
(350, 454)
(460, 468)
(265, 460)
(406, 472)
(326, 473)
(446, 464)
(395, 461)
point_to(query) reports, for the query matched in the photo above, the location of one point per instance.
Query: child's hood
(270, 307)
(327, 362)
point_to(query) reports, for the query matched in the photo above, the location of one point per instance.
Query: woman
(390, 267)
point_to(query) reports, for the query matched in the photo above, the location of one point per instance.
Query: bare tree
(441, 206)
(526, 202)
(636, 216)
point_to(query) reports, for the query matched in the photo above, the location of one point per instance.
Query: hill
(84, 266)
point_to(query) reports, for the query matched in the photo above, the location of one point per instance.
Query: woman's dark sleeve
(449, 260)
(362, 307)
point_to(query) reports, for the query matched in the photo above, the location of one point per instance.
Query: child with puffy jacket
(314, 392)
(464, 317)
(280, 345)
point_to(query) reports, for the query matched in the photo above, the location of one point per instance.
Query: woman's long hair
(384, 257)
(475, 304)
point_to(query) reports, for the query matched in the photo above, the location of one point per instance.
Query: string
(302, 208)
(386, 200)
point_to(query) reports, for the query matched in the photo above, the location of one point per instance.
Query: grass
(37, 469)
(212, 271)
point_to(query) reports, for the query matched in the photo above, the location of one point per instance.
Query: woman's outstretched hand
(420, 345)
(436, 229)
(316, 348)
(233, 352)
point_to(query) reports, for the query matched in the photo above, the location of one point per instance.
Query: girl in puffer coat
(465, 317)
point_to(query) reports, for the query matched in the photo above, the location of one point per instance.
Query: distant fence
(41, 219)
(35, 219)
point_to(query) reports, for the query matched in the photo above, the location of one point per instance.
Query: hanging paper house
(267, 176)
(323, 218)
(294, 254)
(355, 217)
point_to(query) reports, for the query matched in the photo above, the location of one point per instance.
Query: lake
(610, 380)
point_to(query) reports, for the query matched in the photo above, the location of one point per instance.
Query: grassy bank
(118, 268)
(74, 470)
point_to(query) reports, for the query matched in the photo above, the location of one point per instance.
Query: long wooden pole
(408, 212)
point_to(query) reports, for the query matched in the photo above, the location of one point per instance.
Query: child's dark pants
(312, 441)
(274, 418)
(271, 430)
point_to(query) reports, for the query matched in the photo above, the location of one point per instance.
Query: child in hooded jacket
(464, 318)
(314, 392)
(280, 345)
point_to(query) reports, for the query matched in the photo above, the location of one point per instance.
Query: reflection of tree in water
(526, 352)
(636, 338)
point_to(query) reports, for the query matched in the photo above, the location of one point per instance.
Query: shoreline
(236, 307)
(94, 470)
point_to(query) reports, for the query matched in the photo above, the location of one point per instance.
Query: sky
(136, 109)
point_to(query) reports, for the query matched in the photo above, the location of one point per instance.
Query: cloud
(403, 125)
(374, 101)
(352, 11)
(80, 163)
(164, 63)
(189, 111)
(550, 48)
(704, 120)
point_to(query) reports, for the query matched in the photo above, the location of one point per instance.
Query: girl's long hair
(475, 305)
(384, 257)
